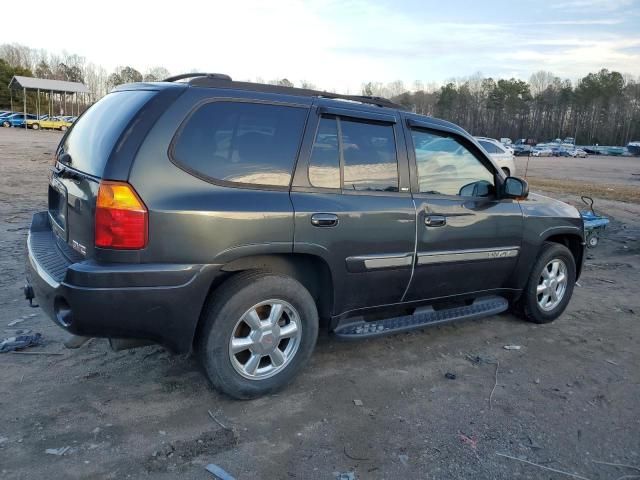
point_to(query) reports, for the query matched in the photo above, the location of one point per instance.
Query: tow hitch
(29, 295)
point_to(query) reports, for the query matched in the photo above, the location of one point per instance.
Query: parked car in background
(541, 152)
(17, 119)
(501, 154)
(573, 152)
(578, 152)
(521, 150)
(53, 123)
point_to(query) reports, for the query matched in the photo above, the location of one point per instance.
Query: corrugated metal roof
(48, 85)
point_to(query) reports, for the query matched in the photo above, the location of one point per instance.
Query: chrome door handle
(435, 220)
(324, 220)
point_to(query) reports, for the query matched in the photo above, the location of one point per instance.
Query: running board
(481, 307)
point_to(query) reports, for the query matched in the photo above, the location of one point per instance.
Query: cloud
(339, 44)
(593, 5)
(608, 21)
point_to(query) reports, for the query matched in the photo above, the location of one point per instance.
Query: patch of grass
(621, 193)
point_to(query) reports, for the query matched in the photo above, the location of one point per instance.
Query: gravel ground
(568, 399)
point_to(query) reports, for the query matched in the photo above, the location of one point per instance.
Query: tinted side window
(489, 147)
(369, 152)
(242, 142)
(445, 166)
(324, 166)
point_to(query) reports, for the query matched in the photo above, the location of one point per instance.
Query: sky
(341, 44)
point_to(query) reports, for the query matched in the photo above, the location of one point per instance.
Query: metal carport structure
(61, 87)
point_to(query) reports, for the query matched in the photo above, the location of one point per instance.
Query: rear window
(248, 143)
(95, 133)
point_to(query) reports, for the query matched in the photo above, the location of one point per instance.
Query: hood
(537, 205)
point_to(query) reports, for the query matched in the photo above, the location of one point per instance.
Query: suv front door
(468, 238)
(353, 207)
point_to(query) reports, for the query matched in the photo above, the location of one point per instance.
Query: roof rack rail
(182, 76)
(217, 80)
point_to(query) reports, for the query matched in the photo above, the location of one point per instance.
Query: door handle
(324, 220)
(435, 220)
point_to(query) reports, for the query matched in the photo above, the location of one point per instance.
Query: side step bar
(481, 307)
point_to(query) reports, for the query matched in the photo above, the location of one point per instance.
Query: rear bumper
(158, 302)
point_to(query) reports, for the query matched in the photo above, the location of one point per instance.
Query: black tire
(528, 306)
(226, 307)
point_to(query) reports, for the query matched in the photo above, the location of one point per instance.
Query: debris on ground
(57, 451)
(358, 403)
(360, 459)
(15, 322)
(471, 441)
(404, 459)
(213, 417)
(450, 376)
(494, 385)
(218, 472)
(346, 476)
(19, 342)
(512, 347)
(569, 474)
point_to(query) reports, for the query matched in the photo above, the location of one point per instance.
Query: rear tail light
(121, 217)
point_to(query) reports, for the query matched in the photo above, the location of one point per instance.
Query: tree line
(602, 107)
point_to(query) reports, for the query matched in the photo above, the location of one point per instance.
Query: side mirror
(515, 187)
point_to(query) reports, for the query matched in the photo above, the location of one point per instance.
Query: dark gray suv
(235, 219)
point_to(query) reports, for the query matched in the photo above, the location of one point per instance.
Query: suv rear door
(468, 238)
(352, 204)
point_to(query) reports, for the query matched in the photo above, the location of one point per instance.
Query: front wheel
(6, 124)
(259, 331)
(63, 128)
(35, 126)
(550, 284)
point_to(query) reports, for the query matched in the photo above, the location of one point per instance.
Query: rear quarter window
(93, 135)
(241, 142)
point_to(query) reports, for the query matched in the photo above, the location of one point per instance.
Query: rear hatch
(81, 160)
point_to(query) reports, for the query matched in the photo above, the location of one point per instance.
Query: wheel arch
(574, 243)
(311, 271)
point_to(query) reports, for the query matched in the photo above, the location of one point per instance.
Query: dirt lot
(568, 399)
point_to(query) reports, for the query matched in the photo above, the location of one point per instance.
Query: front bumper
(158, 302)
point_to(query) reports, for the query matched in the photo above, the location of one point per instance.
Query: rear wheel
(550, 284)
(6, 124)
(260, 329)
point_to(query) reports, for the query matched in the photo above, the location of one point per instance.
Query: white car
(578, 152)
(541, 152)
(499, 153)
